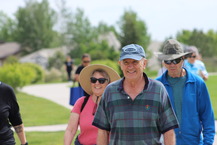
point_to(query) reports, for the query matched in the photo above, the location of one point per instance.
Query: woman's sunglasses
(100, 80)
(174, 61)
(192, 56)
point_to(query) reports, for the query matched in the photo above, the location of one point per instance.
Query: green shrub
(16, 75)
(53, 75)
(38, 71)
(56, 61)
(11, 60)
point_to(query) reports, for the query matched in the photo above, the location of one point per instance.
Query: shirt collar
(120, 88)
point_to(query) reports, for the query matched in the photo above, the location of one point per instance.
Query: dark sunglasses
(100, 80)
(192, 56)
(175, 61)
(86, 61)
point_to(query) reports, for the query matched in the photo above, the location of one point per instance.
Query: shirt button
(128, 97)
(180, 132)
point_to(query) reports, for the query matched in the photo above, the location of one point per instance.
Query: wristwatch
(25, 143)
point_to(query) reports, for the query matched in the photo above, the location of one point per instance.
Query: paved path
(58, 93)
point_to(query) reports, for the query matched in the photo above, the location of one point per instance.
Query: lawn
(43, 138)
(37, 111)
(211, 85)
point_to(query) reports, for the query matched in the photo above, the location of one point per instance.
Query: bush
(56, 61)
(110, 63)
(53, 75)
(17, 75)
(11, 60)
(39, 72)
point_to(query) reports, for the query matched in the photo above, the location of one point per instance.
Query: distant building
(111, 39)
(153, 62)
(8, 49)
(41, 57)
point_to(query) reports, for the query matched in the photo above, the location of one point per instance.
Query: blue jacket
(198, 124)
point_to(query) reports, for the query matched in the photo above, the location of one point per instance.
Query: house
(8, 49)
(41, 57)
(153, 62)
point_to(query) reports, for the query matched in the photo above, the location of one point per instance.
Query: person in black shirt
(10, 116)
(69, 67)
(86, 59)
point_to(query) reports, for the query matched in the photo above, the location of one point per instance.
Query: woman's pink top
(88, 132)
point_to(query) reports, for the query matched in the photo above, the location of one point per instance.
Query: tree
(80, 29)
(35, 26)
(101, 51)
(65, 16)
(56, 61)
(206, 43)
(7, 27)
(103, 28)
(133, 30)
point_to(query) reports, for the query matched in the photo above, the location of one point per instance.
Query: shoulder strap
(85, 102)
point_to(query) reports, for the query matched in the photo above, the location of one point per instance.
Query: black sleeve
(79, 70)
(14, 112)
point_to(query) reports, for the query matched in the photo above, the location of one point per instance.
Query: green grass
(37, 111)
(211, 85)
(44, 138)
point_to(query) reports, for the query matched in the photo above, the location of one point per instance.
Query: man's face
(86, 61)
(174, 67)
(132, 68)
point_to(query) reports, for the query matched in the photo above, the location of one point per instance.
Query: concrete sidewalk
(45, 128)
(60, 94)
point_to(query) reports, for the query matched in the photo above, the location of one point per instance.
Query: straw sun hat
(84, 77)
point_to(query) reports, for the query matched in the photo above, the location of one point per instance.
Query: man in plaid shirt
(135, 110)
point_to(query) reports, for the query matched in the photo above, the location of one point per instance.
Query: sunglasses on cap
(174, 61)
(192, 56)
(100, 80)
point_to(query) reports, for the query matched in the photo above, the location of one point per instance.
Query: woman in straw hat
(93, 79)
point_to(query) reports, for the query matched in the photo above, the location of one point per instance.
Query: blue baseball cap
(132, 51)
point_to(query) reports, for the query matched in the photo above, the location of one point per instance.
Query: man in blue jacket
(189, 97)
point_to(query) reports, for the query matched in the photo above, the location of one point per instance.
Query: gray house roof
(8, 49)
(41, 57)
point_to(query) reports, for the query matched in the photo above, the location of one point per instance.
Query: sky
(163, 18)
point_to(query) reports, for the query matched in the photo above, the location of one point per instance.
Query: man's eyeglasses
(192, 56)
(174, 61)
(100, 80)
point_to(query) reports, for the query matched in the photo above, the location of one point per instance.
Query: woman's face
(97, 87)
(192, 58)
